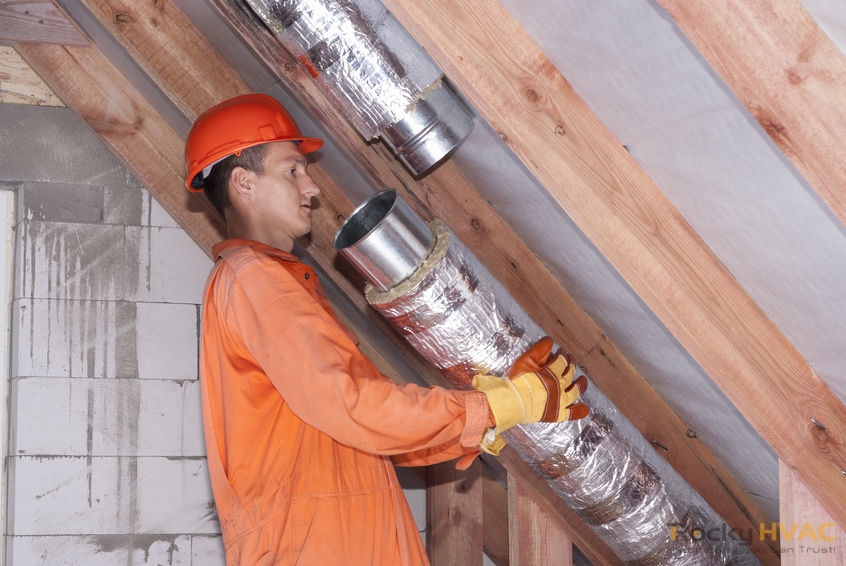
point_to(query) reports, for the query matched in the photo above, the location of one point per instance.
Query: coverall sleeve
(327, 382)
(436, 455)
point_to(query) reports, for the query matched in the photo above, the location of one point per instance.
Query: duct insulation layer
(457, 316)
(381, 80)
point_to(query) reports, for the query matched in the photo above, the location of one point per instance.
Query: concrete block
(159, 216)
(141, 417)
(48, 144)
(70, 261)
(70, 495)
(158, 550)
(58, 338)
(48, 417)
(207, 551)
(55, 338)
(133, 205)
(106, 417)
(164, 265)
(125, 206)
(60, 202)
(173, 495)
(93, 550)
(167, 341)
(170, 422)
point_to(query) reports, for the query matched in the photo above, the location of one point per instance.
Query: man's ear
(241, 182)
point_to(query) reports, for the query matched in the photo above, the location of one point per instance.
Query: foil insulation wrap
(359, 54)
(460, 319)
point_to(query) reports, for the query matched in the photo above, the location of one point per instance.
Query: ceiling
(657, 183)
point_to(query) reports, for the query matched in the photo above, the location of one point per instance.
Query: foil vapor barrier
(458, 317)
(380, 79)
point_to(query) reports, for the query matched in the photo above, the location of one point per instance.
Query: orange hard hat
(236, 124)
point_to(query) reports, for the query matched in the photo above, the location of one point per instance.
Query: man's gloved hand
(539, 388)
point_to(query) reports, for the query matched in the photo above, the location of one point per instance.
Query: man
(302, 431)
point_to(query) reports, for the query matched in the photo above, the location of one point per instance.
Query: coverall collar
(232, 243)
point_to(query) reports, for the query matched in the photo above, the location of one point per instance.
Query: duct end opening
(435, 125)
(385, 240)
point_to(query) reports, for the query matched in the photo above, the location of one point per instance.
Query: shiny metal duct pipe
(458, 317)
(380, 79)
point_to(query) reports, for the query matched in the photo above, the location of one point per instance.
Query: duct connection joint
(380, 79)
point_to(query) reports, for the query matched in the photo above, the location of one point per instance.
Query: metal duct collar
(385, 240)
(436, 125)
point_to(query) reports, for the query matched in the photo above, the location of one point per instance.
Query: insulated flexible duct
(377, 75)
(444, 302)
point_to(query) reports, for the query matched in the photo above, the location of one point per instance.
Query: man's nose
(310, 189)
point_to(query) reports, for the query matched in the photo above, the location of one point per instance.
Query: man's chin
(305, 236)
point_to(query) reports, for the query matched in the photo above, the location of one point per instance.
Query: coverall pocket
(303, 511)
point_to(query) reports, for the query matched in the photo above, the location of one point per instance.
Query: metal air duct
(458, 317)
(377, 75)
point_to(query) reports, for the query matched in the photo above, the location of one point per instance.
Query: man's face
(285, 194)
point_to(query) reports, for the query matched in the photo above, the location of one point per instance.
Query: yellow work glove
(538, 388)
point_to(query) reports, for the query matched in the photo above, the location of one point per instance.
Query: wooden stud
(807, 533)
(454, 511)
(533, 536)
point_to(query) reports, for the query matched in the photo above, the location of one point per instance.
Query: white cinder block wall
(105, 463)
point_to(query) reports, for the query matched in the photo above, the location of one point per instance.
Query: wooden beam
(807, 533)
(589, 173)
(533, 537)
(494, 515)
(445, 193)
(37, 21)
(89, 84)
(787, 73)
(495, 520)
(454, 512)
(566, 520)
(154, 34)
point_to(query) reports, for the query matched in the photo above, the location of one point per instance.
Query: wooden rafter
(787, 73)
(588, 172)
(85, 80)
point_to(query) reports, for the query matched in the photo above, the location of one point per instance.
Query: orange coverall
(301, 428)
